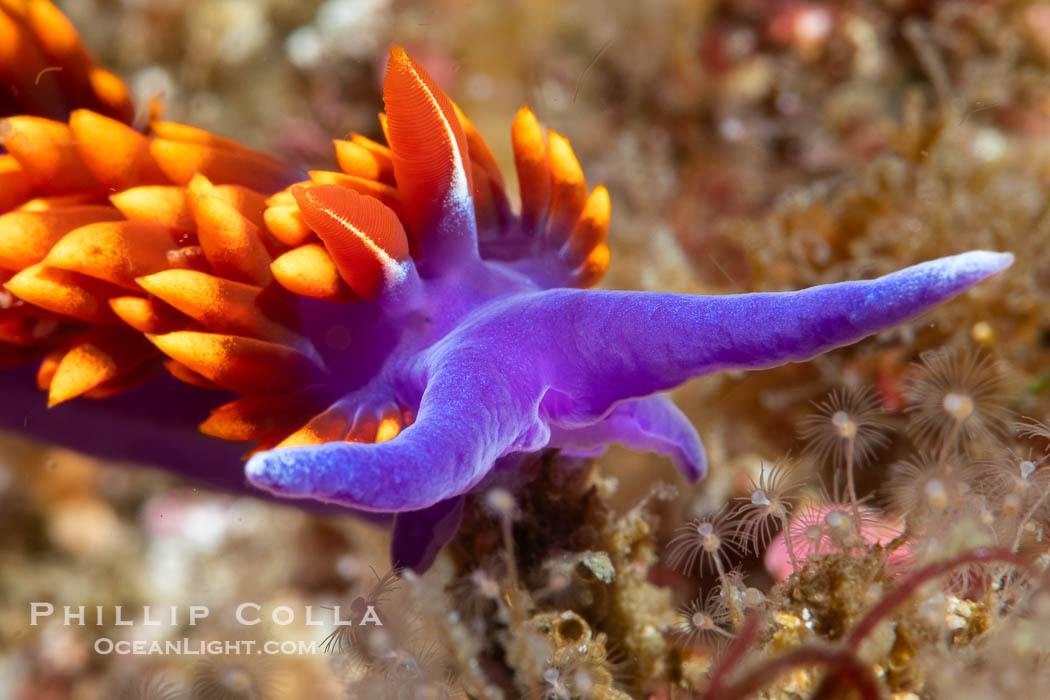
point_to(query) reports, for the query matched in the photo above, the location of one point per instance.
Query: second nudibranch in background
(395, 333)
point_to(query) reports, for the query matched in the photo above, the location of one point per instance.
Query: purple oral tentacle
(474, 410)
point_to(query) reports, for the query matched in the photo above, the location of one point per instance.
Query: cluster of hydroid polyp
(974, 491)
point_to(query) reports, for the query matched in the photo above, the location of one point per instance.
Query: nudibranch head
(394, 330)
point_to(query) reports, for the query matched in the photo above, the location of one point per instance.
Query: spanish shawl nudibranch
(393, 331)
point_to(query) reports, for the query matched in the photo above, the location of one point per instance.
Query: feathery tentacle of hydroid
(393, 329)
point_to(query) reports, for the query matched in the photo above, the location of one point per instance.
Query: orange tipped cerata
(355, 159)
(231, 242)
(101, 355)
(15, 185)
(568, 189)
(46, 372)
(21, 60)
(477, 148)
(71, 66)
(245, 365)
(181, 160)
(328, 426)
(593, 268)
(591, 228)
(163, 204)
(48, 153)
(63, 292)
(115, 251)
(287, 225)
(365, 238)
(309, 271)
(27, 236)
(114, 153)
(533, 165)
(431, 157)
(382, 155)
(384, 193)
(220, 305)
(246, 201)
(150, 315)
(267, 418)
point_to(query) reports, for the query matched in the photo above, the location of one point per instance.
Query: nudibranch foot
(651, 424)
(419, 535)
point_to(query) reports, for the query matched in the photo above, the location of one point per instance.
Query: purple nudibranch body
(525, 370)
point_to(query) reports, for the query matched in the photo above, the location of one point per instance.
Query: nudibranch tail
(663, 340)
